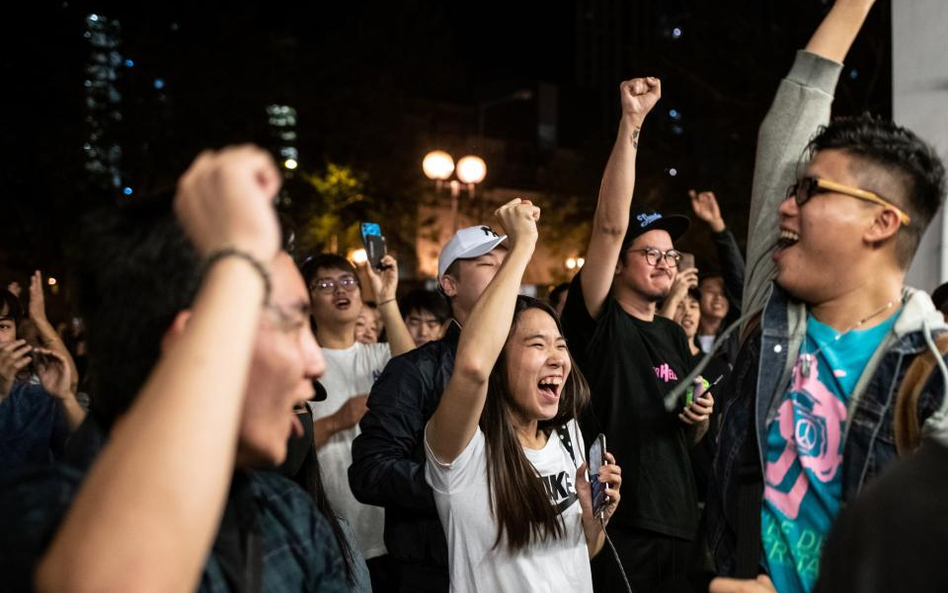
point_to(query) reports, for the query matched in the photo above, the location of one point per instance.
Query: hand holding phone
(374, 242)
(596, 461)
(687, 261)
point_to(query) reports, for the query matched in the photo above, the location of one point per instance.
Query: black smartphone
(374, 242)
(596, 461)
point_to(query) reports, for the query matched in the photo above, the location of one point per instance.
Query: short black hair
(326, 261)
(454, 269)
(901, 154)
(425, 300)
(940, 298)
(135, 270)
(10, 306)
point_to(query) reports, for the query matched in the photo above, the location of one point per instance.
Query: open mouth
(786, 239)
(297, 429)
(550, 386)
(342, 303)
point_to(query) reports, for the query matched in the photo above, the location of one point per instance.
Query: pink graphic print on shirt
(810, 422)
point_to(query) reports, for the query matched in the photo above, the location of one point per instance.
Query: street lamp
(438, 165)
(358, 256)
(471, 170)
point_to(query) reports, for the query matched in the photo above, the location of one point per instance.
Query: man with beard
(632, 358)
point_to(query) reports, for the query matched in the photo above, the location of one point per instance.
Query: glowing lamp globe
(359, 256)
(472, 169)
(438, 165)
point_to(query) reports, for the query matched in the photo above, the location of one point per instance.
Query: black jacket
(731, 263)
(388, 458)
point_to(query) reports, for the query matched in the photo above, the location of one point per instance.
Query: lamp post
(438, 165)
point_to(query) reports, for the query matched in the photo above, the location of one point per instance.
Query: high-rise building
(103, 101)
(282, 122)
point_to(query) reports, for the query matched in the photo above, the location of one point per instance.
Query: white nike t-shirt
(463, 501)
(350, 372)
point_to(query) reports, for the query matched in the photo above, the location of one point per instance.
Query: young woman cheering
(505, 456)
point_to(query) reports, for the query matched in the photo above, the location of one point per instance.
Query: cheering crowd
(248, 420)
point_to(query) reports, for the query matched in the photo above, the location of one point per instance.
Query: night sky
(377, 84)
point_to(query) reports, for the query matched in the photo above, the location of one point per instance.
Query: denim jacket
(763, 367)
(759, 380)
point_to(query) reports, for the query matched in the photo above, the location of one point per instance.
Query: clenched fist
(639, 95)
(519, 219)
(225, 199)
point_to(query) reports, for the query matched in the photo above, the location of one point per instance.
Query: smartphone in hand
(374, 242)
(687, 261)
(596, 461)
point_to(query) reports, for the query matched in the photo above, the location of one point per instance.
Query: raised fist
(225, 199)
(639, 95)
(519, 219)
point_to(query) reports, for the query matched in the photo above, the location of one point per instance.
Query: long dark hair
(309, 475)
(519, 502)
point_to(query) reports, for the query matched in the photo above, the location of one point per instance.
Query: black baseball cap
(643, 220)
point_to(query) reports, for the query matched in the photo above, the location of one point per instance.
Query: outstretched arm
(802, 105)
(146, 515)
(839, 29)
(611, 220)
(454, 423)
(731, 261)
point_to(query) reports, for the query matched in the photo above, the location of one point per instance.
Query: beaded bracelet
(253, 261)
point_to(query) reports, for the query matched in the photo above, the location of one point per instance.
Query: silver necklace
(806, 358)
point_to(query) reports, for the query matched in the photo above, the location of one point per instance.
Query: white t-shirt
(462, 497)
(706, 342)
(350, 372)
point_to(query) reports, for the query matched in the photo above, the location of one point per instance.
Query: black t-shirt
(702, 454)
(895, 535)
(630, 365)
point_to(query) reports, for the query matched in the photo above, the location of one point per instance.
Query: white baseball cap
(474, 241)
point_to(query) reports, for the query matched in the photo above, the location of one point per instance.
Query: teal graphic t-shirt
(803, 473)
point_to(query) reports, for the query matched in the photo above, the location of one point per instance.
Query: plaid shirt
(297, 547)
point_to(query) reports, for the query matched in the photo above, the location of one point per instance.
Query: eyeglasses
(328, 285)
(288, 321)
(653, 255)
(807, 187)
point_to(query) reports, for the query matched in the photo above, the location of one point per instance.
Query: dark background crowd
(542, 383)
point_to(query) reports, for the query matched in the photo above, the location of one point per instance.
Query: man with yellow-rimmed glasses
(810, 412)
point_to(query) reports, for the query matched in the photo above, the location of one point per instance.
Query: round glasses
(328, 285)
(653, 255)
